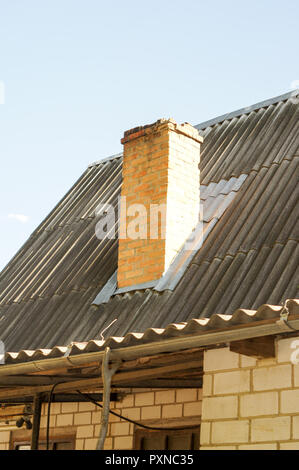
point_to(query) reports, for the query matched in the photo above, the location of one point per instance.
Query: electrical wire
(154, 428)
(49, 413)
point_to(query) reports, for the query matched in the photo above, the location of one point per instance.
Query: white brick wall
(250, 403)
(158, 408)
(245, 404)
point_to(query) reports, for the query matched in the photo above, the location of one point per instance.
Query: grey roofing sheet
(150, 335)
(249, 258)
(248, 109)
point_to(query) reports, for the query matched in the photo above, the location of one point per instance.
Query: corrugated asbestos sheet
(248, 259)
(175, 330)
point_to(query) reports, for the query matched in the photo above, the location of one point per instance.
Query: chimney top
(184, 128)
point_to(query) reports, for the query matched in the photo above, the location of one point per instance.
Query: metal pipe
(107, 374)
(37, 405)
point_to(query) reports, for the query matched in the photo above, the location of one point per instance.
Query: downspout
(107, 374)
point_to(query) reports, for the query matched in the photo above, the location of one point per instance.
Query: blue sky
(74, 75)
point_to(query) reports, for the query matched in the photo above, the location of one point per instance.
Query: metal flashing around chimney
(215, 199)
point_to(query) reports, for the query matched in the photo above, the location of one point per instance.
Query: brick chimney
(160, 198)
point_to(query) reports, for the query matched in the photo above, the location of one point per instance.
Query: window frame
(141, 433)
(23, 437)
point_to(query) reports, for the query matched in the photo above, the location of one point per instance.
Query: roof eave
(274, 326)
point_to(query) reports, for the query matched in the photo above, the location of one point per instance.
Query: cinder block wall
(4, 438)
(249, 403)
(154, 407)
(244, 404)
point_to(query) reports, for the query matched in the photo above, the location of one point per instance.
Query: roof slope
(248, 259)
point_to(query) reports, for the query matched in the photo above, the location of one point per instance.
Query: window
(187, 439)
(59, 440)
(53, 445)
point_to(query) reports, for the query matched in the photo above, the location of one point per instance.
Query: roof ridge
(247, 109)
(106, 159)
(218, 119)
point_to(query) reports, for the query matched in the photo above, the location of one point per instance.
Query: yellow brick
(271, 429)
(90, 444)
(172, 411)
(82, 418)
(126, 402)
(205, 429)
(230, 432)
(113, 418)
(220, 359)
(64, 420)
(267, 378)
(289, 446)
(220, 407)
(124, 442)
(96, 430)
(165, 396)
(55, 409)
(295, 427)
(186, 394)
(69, 407)
(266, 362)
(108, 444)
(4, 436)
(255, 404)
(207, 385)
(120, 429)
(132, 413)
(144, 399)
(258, 447)
(193, 409)
(4, 446)
(87, 406)
(96, 417)
(247, 361)
(79, 444)
(151, 412)
(232, 382)
(285, 349)
(43, 421)
(289, 401)
(296, 375)
(85, 431)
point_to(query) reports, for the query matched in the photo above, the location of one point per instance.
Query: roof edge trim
(187, 338)
(246, 110)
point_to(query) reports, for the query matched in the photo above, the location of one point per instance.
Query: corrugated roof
(248, 109)
(249, 258)
(175, 330)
